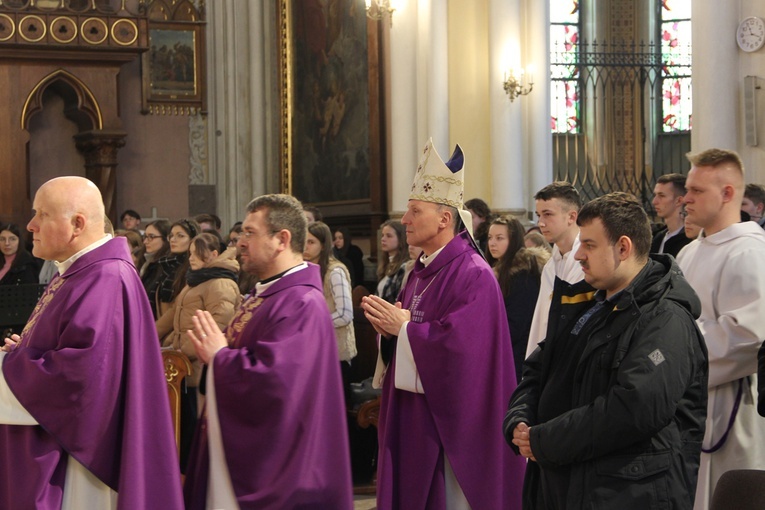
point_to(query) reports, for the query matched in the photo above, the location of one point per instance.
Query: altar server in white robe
(557, 206)
(726, 268)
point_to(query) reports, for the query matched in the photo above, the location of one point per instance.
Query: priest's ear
(78, 223)
(284, 237)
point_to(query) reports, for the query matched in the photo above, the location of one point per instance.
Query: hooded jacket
(632, 438)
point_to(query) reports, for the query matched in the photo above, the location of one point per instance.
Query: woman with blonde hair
(337, 292)
(393, 258)
(519, 271)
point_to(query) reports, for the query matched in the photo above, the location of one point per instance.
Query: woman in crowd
(176, 263)
(211, 284)
(349, 254)
(482, 218)
(135, 244)
(17, 265)
(518, 270)
(393, 259)
(234, 233)
(156, 247)
(337, 292)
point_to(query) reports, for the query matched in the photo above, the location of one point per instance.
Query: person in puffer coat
(211, 284)
(612, 406)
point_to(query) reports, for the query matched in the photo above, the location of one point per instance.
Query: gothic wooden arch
(82, 108)
(83, 68)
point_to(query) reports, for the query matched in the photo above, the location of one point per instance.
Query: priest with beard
(273, 433)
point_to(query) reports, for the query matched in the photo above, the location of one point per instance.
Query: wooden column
(99, 147)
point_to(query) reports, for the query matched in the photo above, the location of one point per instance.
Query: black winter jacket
(25, 270)
(632, 439)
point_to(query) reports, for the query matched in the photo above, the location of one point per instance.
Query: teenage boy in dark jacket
(612, 406)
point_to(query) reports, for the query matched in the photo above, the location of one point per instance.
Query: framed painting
(173, 70)
(332, 130)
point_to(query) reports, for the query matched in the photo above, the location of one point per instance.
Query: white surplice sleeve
(11, 410)
(407, 377)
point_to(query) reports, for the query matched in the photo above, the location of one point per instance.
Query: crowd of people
(591, 360)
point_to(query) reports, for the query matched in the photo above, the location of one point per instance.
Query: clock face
(751, 34)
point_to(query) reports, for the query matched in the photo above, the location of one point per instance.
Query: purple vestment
(280, 404)
(461, 345)
(89, 370)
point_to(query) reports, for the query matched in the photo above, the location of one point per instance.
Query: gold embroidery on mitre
(435, 182)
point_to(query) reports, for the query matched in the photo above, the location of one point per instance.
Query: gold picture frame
(331, 108)
(173, 69)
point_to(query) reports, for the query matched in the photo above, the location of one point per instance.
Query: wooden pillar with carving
(100, 147)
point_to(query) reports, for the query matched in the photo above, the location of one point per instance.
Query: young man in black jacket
(612, 405)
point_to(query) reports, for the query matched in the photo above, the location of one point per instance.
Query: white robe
(727, 271)
(567, 269)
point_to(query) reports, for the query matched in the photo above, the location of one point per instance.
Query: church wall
(154, 164)
(750, 64)
(469, 93)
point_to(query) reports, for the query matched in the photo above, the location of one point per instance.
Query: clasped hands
(10, 343)
(522, 439)
(386, 318)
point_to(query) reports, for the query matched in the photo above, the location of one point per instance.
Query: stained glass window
(564, 44)
(676, 111)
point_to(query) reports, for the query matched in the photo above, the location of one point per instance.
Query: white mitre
(442, 183)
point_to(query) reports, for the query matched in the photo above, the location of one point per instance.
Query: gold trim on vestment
(41, 305)
(241, 318)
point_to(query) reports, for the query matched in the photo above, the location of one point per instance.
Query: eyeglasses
(152, 237)
(179, 235)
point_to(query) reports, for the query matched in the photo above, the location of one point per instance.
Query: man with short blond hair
(726, 268)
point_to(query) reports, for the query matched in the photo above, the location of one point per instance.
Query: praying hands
(386, 318)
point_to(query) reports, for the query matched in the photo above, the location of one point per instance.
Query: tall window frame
(674, 34)
(565, 82)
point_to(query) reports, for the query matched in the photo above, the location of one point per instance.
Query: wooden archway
(82, 106)
(83, 68)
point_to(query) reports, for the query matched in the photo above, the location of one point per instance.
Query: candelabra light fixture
(378, 9)
(515, 83)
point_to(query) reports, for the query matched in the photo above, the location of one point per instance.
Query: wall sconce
(377, 9)
(514, 83)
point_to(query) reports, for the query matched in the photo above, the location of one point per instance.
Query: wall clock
(751, 34)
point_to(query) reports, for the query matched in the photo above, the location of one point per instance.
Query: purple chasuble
(461, 345)
(89, 370)
(280, 404)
